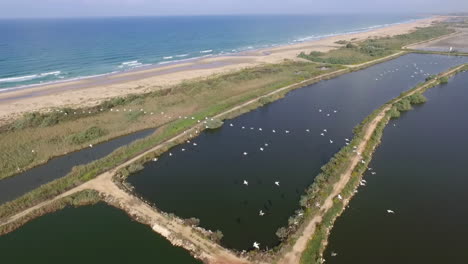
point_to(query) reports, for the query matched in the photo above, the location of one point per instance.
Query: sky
(84, 8)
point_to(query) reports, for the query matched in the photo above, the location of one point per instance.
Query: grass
(374, 48)
(83, 173)
(37, 137)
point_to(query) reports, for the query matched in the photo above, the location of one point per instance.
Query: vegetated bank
(331, 172)
(373, 48)
(84, 173)
(240, 103)
(37, 137)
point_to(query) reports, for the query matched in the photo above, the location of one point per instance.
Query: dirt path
(173, 230)
(210, 251)
(294, 255)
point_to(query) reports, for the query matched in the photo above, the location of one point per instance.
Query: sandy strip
(91, 91)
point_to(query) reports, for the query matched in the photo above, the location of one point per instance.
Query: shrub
(90, 134)
(444, 80)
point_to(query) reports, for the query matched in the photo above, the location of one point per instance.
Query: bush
(444, 80)
(216, 236)
(417, 98)
(341, 42)
(90, 134)
(192, 221)
(403, 105)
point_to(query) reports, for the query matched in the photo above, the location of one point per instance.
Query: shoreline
(91, 91)
(234, 52)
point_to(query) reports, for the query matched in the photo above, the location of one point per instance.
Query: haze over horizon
(105, 8)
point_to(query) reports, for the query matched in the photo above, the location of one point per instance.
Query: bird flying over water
(246, 182)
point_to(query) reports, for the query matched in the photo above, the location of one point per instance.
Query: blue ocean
(34, 51)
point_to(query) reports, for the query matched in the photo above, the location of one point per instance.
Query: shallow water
(206, 181)
(91, 234)
(421, 175)
(14, 187)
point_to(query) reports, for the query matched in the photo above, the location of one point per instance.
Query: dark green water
(206, 181)
(422, 175)
(92, 234)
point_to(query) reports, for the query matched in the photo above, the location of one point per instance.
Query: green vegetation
(322, 186)
(341, 42)
(374, 48)
(37, 137)
(89, 134)
(444, 80)
(211, 107)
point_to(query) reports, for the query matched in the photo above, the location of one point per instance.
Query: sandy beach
(86, 92)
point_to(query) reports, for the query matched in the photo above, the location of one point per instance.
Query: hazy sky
(63, 8)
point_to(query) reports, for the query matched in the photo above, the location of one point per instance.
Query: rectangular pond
(286, 142)
(422, 177)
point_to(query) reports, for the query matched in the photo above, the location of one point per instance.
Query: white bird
(286, 131)
(277, 183)
(251, 128)
(261, 213)
(170, 154)
(362, 161)
(90, 145)
(346, 139)
(243, 127)
(256, 245)
(451, 48)
(260, 129)
(246, 182)
(325, 130)
(307, 130)
(334, 254)
(390, 211)
(335, 111)
(322, 134)
(183, 149)
(261, 149)
(266, 144)
(245, 153)
(155, 159)
(32, 151)
(274, 131)
(339, 197)
(373, 173)
(231, 125)
(328, 114)
(194, 144)
(331, 141)
(320, 110)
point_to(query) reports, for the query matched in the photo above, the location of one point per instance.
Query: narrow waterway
(92, 234)
(16, 186)
(228, 178)
(422, 177)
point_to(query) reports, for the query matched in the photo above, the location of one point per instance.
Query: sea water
(35, 51)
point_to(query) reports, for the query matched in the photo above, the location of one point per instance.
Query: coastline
(91, 91)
